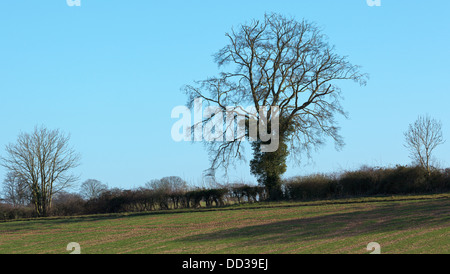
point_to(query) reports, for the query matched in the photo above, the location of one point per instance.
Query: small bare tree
(422, 138)
(42, 159)
(168, 184)
(92, 189)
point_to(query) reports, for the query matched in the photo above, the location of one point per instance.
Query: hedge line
(363, 182)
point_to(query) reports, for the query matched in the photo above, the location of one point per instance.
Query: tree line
(95, 197)
(171, 193)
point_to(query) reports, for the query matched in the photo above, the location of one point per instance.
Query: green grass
(401, 224)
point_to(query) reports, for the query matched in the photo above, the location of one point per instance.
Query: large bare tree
(43, 159)
(422, 138)
(277, 62)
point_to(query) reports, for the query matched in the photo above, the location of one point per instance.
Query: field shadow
(385, 218)
(50, 223)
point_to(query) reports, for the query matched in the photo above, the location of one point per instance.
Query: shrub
(67, 204)
(405, 180)
(365, 181)
(194, 198)
(108, 202)
(368, 181)
(311, 187)
(242, 193)
(9, 212)
(216, 196)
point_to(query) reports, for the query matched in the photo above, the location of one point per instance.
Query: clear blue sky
(110, 72)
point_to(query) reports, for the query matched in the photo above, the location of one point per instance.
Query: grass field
(401, 224)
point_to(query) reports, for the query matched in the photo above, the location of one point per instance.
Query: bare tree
(15, 190)
(422, 138)
(92, 189)
(166, 189)
(168, 184)
(43, 160)
(277, 62)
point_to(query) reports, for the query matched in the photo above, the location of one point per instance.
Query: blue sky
(110, 72)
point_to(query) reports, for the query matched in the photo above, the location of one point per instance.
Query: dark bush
(242, 193)
(195, 197)
(67, 204)
(365, 181)
(368, 181)
(216, 196)
(312, 187)
(405, 180)
(9, 212)
(109, 201)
